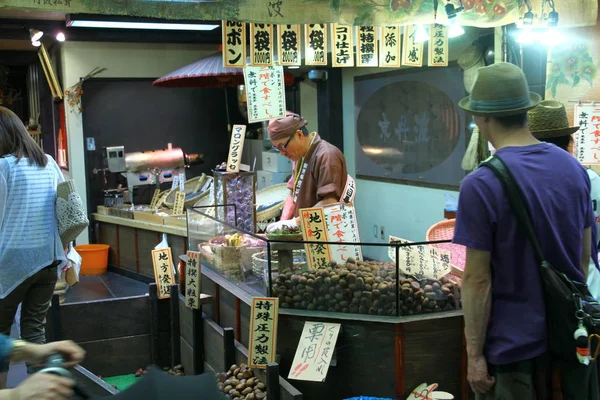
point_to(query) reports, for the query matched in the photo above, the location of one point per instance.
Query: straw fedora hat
(500, 90)
(470, 60)
(549, 120)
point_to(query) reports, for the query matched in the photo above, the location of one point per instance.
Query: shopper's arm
(586, 251)
(476, 299)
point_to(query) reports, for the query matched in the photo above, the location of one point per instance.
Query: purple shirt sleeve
(475, 216)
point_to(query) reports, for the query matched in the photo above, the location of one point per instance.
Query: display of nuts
(245, 388)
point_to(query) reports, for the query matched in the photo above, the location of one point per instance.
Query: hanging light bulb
(527, 19)
(421, 34)
(60, 36)
(455, 30)
(36, 43)
(35, 35)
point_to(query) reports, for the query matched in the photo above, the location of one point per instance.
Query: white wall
(308, 104)
(122, 60)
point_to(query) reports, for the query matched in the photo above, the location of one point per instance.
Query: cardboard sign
(586, 144)
(238, 135)
(315, 39)
(314, 229)
(263, 331)
(342, 48)
(314, 351)
(366, 48)
(163, 271)
(389, 54)
(265, 93)
(261, 45)
(438, 46)
(234, 44)
(155, 198)
(428, 261)
(412, 52)
(193, 278)
(179, 204)
(290, 45)
(342, 227)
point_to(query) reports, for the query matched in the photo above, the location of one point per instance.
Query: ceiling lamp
(108, 22)
(60, 36)
(36, 43)
(421, 34)
(455, 30)
(451, 12)
(35, 35)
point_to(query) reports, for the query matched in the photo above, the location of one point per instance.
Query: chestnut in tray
(239, 383)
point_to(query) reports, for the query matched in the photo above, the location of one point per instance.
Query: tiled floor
(107, 286)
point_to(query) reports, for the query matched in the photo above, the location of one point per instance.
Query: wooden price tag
(155, 198)
(179, 203)
(314, 351)
(163, 271)
(238, 134)
(192, 280)
(314, 229)
(263, 331)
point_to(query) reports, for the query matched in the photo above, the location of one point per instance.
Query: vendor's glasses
(283, 146)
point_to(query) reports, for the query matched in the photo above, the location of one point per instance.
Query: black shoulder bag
(568, 302)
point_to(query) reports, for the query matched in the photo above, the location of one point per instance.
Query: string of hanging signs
(386, 46)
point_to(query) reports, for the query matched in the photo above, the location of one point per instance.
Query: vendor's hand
(71, 351)
(477, 375)
(280, 225)
(43, 386)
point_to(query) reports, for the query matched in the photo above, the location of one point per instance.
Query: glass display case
(405, 279)
(239, 189)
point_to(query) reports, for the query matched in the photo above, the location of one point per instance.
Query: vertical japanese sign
(314, 229)
(163, 271)
(421, 260)
(192, 280)
(587, 138)
(315, 40)
(263, 331)
(234, 44)
(342, 47)
(438, 46)
(412, 52)
(366, 48)
(289, 49)
(265, 93)
(314, 352)
(389, 54)
(179, 204)
(236, 146)
(342, 227)
(155, 198)
(261, 45)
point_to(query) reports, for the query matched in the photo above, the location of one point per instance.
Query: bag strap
(515, 199)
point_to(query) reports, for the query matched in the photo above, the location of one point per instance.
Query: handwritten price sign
(314, 351)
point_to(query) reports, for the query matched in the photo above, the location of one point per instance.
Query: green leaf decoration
(588, 78)
(562, 78)
(553, 88)
(335, 5)
(576, 79)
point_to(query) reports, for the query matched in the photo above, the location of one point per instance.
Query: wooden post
(175, 327)
(198, 332)
(273, 381)
(154, 334)
(228, 347)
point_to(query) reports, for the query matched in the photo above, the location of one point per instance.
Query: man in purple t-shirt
(503, 303)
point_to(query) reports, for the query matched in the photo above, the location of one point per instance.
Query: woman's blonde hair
(15, 140)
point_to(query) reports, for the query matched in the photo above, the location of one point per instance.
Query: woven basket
(190, 186)
(70, 213)
(444, 230)
(274, 197)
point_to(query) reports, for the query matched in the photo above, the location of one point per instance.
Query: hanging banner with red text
(587, 138)
(290, 45)
(234, 44)
(342, 227)
(265, 93)
(261, 45)
(315, 39)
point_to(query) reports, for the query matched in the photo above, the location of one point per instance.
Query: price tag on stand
(342, 227)
(424, 260)
(192, 280)
(155, 198)
(236, 146)
(314, 351)
(263, 331)
(179, 206)
(314, 229)
(163, 271)
(182, 182)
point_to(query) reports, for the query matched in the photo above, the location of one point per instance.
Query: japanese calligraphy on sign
(192, 280)
(438, 46)
(163, 271)
(155, 198)
(234, 44)
(238, 134)
(366, 48)
(587, 138)
(261, 44)
(179, 204)
(342, 227)
(290, 44)
(424, 260)
(263, 331)
(315, 40)
(265, 93)
(390, 43)
(412, 51)
(315, 351)
(342, 51)
(314, 229)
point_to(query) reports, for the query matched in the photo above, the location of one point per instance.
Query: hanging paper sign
(389, 54)
(316, 44)
(263, 331)
(163, 271)
(236, 146)
(424, 260)
(366, 48)
(234, 44)
(155, 198)
(182, 182)
(192, 280)
(314, 352)
(265, 93)
(179, 204)
(314, 229)
(261, 44)
(342, 47)
(587, 138)
(342, 227)
(412, 52)
(290, 49)
(438, 46)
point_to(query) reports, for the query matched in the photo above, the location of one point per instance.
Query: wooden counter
(137, 224)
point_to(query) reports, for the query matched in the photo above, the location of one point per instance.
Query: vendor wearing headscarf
(319, 175)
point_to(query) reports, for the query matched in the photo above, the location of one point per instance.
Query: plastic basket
(444, 230)
(94, 258)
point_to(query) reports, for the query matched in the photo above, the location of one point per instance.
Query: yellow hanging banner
(391, 45)
(315, 38)
(342, 48)
(261, 45)
(412, 51)
(438, 46)
(234, 44)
